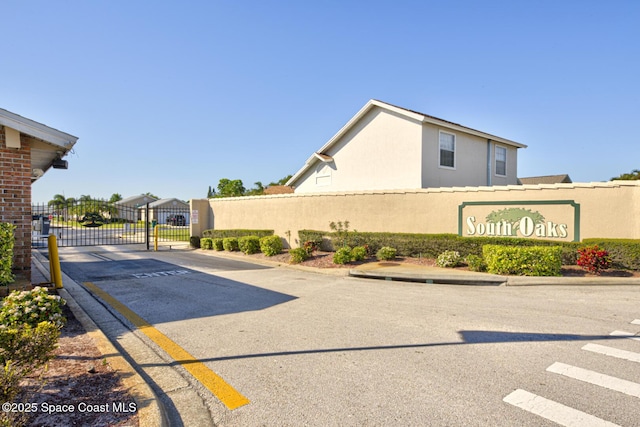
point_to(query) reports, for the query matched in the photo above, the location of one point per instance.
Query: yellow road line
(231, 398)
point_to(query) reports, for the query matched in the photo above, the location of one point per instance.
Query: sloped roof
(50, 144)
(547, 179)
(409, 114)
(172, 201)
(136, 200)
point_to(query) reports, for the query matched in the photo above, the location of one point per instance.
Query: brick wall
(15, 199)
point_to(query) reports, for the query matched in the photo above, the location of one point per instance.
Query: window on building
(501, 161)
(447, 150)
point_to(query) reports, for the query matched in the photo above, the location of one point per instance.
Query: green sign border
(576, 211)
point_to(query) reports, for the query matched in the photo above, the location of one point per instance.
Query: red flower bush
(593, 259)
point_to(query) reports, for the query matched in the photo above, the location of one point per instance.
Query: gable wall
(380, 151)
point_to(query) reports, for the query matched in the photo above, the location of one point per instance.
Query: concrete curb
(430, 275)
(150, 410)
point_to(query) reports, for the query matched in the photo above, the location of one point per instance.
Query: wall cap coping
(608, 184)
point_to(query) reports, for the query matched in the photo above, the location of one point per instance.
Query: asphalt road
(312, 349)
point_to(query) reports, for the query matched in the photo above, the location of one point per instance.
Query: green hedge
(624, 253)
(7, 240)
(523, 260)
(430, 245)
(218, 244)
(213, 233)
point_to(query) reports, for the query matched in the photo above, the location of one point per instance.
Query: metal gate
(99, 222)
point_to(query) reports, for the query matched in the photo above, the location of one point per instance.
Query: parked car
(177, 220)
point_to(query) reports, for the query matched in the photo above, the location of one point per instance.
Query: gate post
(146, 227)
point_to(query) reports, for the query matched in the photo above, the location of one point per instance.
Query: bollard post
(155, 237)
(54, 261)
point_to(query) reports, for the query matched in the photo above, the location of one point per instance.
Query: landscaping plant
(271, 245)
(6, 252)
(249, 244)
(593, 259)
(342, 255)
(449, 259)
(31, 308)
(298, 255)
(386, 253)
(230, 244)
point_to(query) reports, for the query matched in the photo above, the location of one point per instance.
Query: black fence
(98, 222)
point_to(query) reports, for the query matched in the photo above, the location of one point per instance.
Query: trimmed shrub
(449, 259)
(7, 240)
(359, 253)
(623, 253)
(249, 244)
(476, 263)
(31, 308)
(218, 244)
(310, 246)
(194, 242)
(312, 236)
(342, 256)
(523, 261)
(221, 234)
(25, 349)
(386, 253)
(298, 255)
(230, 244)
(271, 245)
(206, 243)
(593, 259)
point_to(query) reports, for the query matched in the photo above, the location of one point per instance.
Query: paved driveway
(312, 349)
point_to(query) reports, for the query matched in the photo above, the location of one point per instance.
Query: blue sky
(170, 97)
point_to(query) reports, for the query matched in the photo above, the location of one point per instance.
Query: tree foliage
(634, 175)
(235, 188)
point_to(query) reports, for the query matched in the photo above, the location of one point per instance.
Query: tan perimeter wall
(607, 210)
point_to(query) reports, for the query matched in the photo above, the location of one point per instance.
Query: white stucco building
(385, 147)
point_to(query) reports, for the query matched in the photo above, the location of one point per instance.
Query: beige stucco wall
(380, 151)
(607, 209)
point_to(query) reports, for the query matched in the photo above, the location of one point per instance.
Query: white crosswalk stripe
(625, 335)
(596, 378)
(567, 416)
(613, 352)
(554, 411)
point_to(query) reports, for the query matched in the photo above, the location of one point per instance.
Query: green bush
(316, 237)
(206, 243)
(230, 244)
(221, 234)
(476, 263)
(7, 240)
(249, 244)
(386, 253)
(23, 350)
(194, 242)
(218, 244)
(342, 256)
(624, 253)
(359, 253)
(449, 259)
(31, 308)
(523, 261)
(298, 255)
(271, 245)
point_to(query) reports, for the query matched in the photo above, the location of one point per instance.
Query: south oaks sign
(540, 219)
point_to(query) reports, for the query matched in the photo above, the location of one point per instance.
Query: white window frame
(495, 157)
(440, 165)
